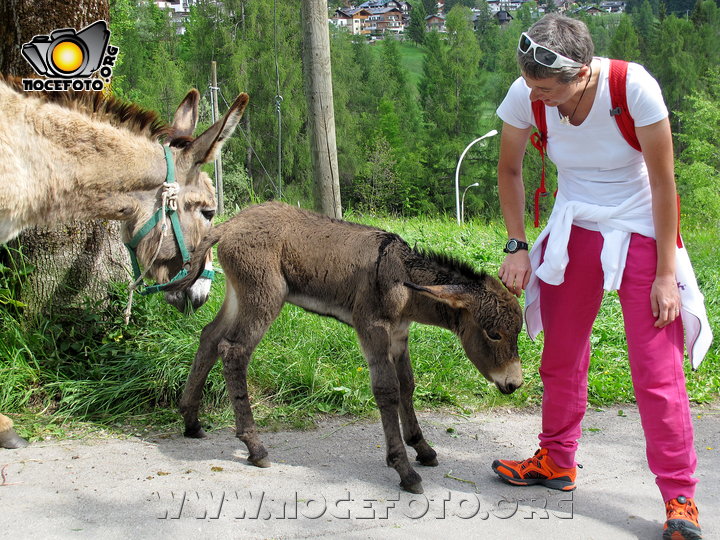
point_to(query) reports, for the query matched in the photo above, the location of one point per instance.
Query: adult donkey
(72, 155)
(365, 277)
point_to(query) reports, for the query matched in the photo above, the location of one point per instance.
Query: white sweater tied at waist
(616, 224)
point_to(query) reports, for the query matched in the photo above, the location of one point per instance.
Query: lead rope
(169, 200)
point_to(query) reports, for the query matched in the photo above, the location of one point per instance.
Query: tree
(450, 4)
(704, 42)
(416, 27)
(672, 62)
(376, 186)
(698, 166)
(77, 260)
(430, 6)
(624, 43)
(644, 22)
(348, 118)
(148, 42)
(487, 30)
(463, 62)
(449, 95)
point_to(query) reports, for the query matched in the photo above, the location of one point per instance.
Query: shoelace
(678, 510)
(536, 459)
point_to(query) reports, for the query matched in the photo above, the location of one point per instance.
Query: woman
(614, 227)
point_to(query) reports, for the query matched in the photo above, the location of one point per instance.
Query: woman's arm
(656, 143)
(515, 269)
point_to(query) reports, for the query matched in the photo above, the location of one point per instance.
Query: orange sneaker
(682, 520)
(539, 469)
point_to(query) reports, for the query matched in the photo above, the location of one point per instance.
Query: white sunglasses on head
(543, 55)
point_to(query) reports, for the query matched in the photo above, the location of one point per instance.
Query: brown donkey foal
(365, 277)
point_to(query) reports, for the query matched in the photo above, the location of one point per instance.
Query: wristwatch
(514, 245)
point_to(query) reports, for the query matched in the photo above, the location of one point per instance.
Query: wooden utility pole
(318, 89)
(218, 161)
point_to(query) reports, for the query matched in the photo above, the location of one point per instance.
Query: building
(179, 11)
(435, 23)
(352, 19)
(593, 11)
(613, 7)
(402, 6)
(505, 5)
(375, 21)
(385, 20)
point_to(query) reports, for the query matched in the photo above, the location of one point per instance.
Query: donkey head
(194, 201)
(489, 323)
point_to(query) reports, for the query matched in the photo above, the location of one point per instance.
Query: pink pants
(656, 356)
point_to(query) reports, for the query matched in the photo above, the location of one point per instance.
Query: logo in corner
(70, 59)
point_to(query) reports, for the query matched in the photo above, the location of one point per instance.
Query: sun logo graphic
(70, 59)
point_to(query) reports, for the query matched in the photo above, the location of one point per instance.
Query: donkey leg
(205, 358)
(376, 342)
(411, 428)
(261, 305)
(236, 358)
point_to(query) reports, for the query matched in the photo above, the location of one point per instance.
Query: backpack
(619, 111)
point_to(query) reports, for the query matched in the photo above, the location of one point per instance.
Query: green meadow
(90, 371)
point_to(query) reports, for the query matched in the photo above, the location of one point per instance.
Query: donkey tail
(197, 260)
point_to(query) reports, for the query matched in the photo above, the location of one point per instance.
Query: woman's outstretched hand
(515, 271)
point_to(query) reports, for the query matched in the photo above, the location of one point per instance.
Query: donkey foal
(365, 277)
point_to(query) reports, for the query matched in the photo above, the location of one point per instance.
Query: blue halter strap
(171, 212)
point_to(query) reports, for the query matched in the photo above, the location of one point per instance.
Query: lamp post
(462, 202)
(491, 133)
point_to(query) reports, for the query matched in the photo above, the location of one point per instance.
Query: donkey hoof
(416, 488)
(263, 462)
(195, 432)
(11, 440)
(428, 461)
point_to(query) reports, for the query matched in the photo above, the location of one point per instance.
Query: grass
(411, 59)
(89, 371)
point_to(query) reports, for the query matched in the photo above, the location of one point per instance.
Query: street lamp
(462, 202)
(490, 133)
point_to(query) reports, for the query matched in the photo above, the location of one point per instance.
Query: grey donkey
(365, 277)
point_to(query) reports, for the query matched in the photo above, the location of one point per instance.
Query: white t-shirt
(603, 185)
(595, 164)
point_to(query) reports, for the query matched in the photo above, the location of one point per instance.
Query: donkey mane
(99, 106)
(447, 264)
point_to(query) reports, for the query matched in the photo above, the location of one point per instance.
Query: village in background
(378, 19)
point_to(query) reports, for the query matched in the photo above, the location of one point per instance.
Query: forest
(404, 110)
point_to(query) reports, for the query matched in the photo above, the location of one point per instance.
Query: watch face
(512, 246)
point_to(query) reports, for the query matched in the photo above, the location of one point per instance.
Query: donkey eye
(493, 335)
(208, 214)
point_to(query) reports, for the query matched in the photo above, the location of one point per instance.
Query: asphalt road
(332, 482)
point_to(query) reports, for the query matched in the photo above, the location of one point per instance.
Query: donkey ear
(186, 116)
(453, 295)
(204, 148)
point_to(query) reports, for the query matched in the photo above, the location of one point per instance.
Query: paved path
(332, 482)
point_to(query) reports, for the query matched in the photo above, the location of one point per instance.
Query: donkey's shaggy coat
(365, 277)
(68, 155)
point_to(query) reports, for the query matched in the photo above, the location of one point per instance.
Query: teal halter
(171, 211)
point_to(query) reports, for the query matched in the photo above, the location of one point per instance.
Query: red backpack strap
(539, 141)
(621, 113)
(618, 99)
